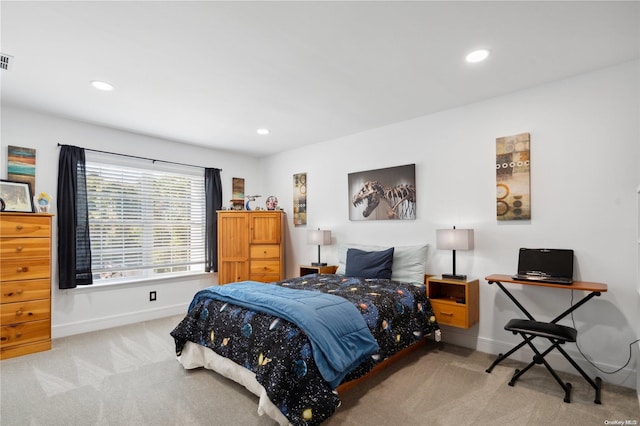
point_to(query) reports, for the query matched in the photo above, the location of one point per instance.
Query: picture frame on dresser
(17, 196)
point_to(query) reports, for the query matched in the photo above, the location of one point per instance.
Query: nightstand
(308, 269)
(455, 303)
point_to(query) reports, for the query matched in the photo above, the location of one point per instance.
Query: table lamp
(454, 239)
(321, 238)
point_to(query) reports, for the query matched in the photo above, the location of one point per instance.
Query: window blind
(144, 223)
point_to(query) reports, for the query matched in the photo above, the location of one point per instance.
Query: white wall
(92, 308)
(585, 142)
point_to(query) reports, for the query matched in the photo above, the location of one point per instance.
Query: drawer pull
(19, 249)
(19, 291)
(19, 312)
(19, 334)
(447, 313)
(23, 269)
(19, 227)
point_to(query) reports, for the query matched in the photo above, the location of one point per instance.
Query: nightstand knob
(19, 249)
(19, 227)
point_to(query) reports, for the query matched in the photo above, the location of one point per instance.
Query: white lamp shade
(319, 237)
(454, 239)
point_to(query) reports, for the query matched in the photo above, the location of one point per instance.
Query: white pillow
(409, 262)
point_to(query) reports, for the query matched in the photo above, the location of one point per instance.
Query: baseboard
(70, 329)
(626, 377)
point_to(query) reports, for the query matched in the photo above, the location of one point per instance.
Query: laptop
(553, 266)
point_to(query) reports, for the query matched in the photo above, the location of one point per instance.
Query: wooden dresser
(25, 283)
(250, 246)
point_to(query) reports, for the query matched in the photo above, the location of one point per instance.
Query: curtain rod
(141, 158)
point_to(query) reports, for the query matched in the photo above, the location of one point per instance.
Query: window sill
(143, 281)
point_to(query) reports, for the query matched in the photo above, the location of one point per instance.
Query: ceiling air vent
(6, 62)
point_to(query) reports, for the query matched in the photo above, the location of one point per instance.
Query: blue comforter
(339, 334)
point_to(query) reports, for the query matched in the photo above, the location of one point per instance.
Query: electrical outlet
(152, 296)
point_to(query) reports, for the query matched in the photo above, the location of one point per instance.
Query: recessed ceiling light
(102, 85)
(477, 56)
(262, 131)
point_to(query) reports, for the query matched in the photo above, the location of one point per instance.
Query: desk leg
(513, 299)
(502, 357)
(576, 306)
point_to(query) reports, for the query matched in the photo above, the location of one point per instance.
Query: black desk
(594, 289)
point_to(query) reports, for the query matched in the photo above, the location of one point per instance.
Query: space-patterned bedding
(280, 353)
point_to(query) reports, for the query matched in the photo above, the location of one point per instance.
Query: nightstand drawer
(21, 248)
(448, 313)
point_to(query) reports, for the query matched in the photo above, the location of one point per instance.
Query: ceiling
(211, 73)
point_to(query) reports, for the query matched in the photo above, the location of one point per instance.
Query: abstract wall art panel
(237, 193)
(300, 199)
(513, 166)
(21, 165)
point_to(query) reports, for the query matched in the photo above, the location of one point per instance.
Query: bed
(276, 353)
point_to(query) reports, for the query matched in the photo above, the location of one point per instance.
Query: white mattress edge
(196, 356)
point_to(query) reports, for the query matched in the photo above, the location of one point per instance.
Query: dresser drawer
(20, 248)
(264, 267)
(29, 225)
(264, 278)
(24, 269)
(19, 291)
(32, 310)
(448, 313)
(25, 333)
(265, 251)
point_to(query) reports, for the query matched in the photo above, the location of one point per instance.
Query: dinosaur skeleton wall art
(383, 194)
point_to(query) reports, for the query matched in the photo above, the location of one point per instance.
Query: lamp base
(318, 264)
(454, 277)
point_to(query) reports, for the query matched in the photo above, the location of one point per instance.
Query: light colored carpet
(129, 376)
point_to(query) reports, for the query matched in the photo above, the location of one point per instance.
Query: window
(145, 220)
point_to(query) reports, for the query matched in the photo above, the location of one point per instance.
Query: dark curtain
(213, 203)
(74, 247)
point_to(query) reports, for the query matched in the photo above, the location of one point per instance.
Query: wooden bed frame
(345, 387)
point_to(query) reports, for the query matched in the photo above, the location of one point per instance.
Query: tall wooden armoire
(250, 246)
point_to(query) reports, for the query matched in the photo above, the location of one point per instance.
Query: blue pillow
(369, 264)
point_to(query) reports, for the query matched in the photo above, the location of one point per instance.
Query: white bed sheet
(196, 356)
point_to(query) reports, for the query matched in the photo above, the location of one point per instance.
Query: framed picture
(383, 194)
(300, 199)
(513, 168)
(16, 196)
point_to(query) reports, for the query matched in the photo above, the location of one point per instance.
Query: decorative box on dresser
(250, 246)
(25, 282)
